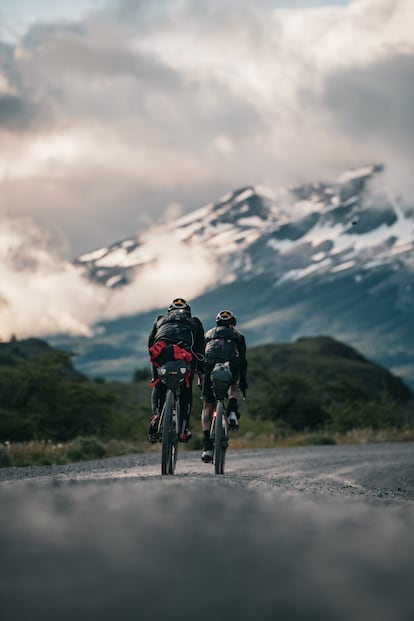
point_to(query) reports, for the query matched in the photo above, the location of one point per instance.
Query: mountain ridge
(325, 359)
(339, 211)
(325, 257)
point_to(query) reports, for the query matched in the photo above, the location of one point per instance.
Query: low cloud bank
(178, 269)
(41, 293)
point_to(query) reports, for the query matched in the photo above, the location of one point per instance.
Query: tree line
(42, 397)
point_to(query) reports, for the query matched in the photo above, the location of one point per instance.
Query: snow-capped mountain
(317, 228)
(331, 258)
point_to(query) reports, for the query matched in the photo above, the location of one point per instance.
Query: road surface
(322, 533)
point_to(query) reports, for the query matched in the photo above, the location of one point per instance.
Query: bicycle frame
(219, 435)
(168, 430)
(172, 374)
(221, 377)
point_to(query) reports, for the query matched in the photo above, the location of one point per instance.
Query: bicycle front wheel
(169, 437)
(220, 440)
(174, 437)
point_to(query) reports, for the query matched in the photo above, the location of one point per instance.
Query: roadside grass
(266, 435)
(39, 453)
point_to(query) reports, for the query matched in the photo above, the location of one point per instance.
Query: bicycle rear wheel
(169, 437)
(220, 440)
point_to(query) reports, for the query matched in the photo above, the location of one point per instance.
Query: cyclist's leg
(208, 399)
(186, 399)
(206, 416)
(158, 397)
(234, 394)
(186, 403)
(206, 419)
(157, 402)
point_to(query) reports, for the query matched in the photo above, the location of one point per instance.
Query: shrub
(4, 457)
(289, 399)
(86, 448)
(365, 414)
(141, 375)
(316, 440)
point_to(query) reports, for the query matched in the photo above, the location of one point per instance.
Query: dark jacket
(180, 328)
(226, 343)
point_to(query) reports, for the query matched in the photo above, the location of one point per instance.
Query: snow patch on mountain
(295, 233)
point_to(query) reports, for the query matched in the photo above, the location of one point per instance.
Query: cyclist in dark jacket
(176, 328)
(223, 344)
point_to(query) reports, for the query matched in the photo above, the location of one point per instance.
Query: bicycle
(172, 374)
(221, 378)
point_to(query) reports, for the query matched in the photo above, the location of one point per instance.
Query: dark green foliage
(343, 389)
(316, 439)
(43, 397)
(318, 383)
(15, 352)
(86, 448)
(4, 457)
(141, 375)
(291, 399)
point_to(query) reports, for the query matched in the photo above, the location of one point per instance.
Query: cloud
(181, 269)
(107, 120)
(362, 102)
(42, 294)
(182, 78)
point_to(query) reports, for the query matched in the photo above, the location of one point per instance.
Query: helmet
(179, 304)
(225, 318)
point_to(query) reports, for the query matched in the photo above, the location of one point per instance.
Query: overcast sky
(112, 112)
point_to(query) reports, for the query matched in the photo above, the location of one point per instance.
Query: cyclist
(223, 344)
(176, 334)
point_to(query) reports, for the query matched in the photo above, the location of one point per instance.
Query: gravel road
(296, 533)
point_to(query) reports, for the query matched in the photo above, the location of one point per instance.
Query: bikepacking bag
(221, 378)
(173, 373)
(161, 353)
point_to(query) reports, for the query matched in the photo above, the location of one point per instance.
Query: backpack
(176, 327)
(221, 344)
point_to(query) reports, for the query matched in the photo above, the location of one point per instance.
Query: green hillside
(315, 385)
(320, 382)
(43, 397)
(325, 362)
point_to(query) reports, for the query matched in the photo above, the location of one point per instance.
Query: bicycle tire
(220, 440)
(175, 429)
(169, 446)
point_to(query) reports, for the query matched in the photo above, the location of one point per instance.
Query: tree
(291, 399)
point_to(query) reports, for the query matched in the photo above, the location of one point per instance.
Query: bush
(4, 457)
(141, 375)
(85, 449)
(38, 402)
(289, 399)
(365, 414)
(316, 440)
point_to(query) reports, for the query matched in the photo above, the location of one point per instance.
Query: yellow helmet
(225, 318)
(179, 304)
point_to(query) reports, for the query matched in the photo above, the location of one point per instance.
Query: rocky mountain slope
(333, 258)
